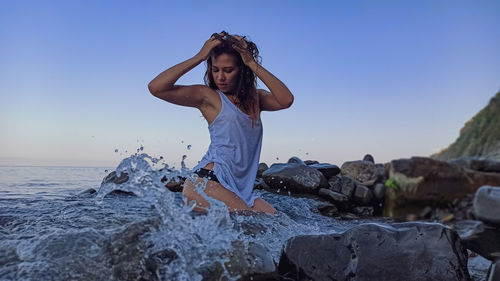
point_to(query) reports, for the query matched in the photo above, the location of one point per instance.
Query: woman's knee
(262, 206)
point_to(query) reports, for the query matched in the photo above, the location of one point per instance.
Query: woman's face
(225, 72)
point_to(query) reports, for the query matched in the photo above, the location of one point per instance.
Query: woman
(231, 104)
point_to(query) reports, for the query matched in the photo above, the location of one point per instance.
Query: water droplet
(184, 157)
(307, 153)
(182, 141)
(141, 148)
(116, 150)
(281, 181)
(161, 157)
(289, 193)
(105, 171)
(279, 190)
(277, 158)
(188, 147)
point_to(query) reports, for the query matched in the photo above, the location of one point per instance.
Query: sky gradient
(391, 78)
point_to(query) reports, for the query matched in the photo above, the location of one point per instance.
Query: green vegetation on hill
(479, 137)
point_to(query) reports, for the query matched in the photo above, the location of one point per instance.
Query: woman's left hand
(245, 54)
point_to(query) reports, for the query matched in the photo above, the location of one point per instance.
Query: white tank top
(234, 149)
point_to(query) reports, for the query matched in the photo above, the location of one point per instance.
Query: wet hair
(246, 88)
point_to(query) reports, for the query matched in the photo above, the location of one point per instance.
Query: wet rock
(87, 191)
(328, 170)
(422, 181)
(363, 211)
(486, 204)
(328, 210)
(362, 195)
(261, 169)
(296, 160)
(344, 185)
(339, 199)
(379, 191)
(116, 179)
(407, 251)
(362, 171)
(369, 158)
(494, 272)
(159, 260)
(8, 257)
(477, 164)
(310, 162)
(211, 272)
(247, 261)
(261, 184)
(121, 193)
(294, 177)
(173, 184)
(4, 220)
(480, 238)
(348, 216)
(125, 253)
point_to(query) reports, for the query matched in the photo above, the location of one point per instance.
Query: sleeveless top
(234, 149)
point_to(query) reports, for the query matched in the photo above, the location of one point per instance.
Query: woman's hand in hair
(245, 54)
(208, 46)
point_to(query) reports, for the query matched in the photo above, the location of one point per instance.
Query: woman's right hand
(209, 45)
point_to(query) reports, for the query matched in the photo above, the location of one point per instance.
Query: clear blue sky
(390, 78)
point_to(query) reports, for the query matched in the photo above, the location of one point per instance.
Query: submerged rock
(294, 177)
(125, 253)
(247, 261)
(116, 179)
(406, 251)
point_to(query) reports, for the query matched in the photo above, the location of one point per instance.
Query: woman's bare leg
(217, 191)
(262, 206)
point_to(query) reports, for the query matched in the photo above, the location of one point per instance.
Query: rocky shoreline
(442, 213)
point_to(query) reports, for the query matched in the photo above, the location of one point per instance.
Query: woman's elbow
(289, 102)
(152, 89)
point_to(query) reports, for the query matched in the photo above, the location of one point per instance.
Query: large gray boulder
(294, 177)
(486, 205)
(406, 251)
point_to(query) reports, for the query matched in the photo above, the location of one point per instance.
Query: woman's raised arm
(280, 96)
(163, 86)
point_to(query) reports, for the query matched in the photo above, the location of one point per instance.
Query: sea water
(52, 227)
